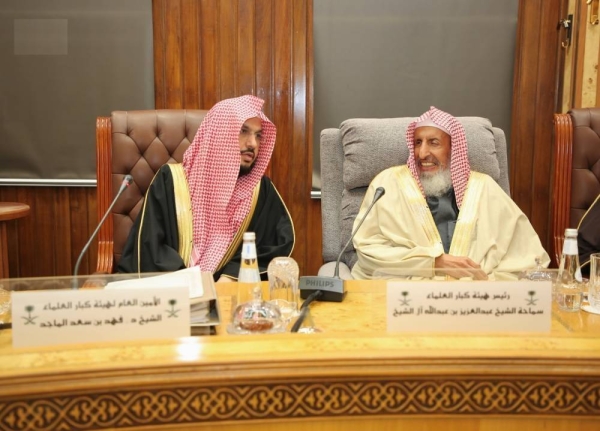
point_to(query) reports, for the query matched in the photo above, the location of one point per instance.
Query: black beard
(245, 170)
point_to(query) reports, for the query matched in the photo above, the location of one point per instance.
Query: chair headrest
(372, 145)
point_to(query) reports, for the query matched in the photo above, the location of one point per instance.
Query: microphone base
(332, 288)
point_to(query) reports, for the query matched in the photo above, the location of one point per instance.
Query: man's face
(250, 136)
(432, 150)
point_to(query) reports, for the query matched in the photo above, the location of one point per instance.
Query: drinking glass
(283, 275)
(594, 283)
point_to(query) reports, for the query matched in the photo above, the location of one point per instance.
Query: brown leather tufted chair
(576, 169)
(136, 143)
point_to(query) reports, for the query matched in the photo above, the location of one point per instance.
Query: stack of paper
(203, 309)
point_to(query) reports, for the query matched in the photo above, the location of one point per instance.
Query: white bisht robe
(400, 234)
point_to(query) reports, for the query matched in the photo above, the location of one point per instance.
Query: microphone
(333, 287)
(126, 182)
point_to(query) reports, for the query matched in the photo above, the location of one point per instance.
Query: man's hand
(459, 267)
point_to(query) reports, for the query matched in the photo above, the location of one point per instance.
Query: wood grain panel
(314, 234)
(523, 103)
(546, 103)
(299, 167)
(190, 48)
(264, 54)
(534, 103)
(246, 54)
(48, 241)
(209, 43)
(240, 47)
(581, 29)
(227, 42)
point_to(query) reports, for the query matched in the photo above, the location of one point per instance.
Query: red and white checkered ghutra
(221, 200)
(460, 168)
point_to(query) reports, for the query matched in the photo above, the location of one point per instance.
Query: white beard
(438, 184)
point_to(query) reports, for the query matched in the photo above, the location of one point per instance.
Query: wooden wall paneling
(174, 60)
(209, 43)
(567, 79)
(263, 64)
(301, 161)
(48, 241)
(534, 103)
(26, 253)
(546, 105)
(524, 102)
(9, 194)
(288, 158)
(44, 236)
(264, 54)
(589, 71)
(564, 76)
(242, 47)
(69, 214)
(83, 222)
(314, 227)
(190, 47)
(92, 254)
(247, 20)
(227, 42)
(580, 28)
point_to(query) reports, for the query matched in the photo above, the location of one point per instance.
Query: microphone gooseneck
(332, 288)
(126, 182)
(379, 192)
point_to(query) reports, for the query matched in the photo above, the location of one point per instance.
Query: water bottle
(249, 276)
(569, 286)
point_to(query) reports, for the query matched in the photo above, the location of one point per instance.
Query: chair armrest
(563, 162)
(104, 194)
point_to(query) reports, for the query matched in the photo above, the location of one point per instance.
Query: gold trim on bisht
(467, 216)
(183, 209)
(237, 239)
(142, 220)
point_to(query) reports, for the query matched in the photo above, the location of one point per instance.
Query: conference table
(351, 375)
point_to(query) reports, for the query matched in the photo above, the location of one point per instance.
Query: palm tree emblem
(172, 312)
(531, 300)
(405, 301)
(29, 320)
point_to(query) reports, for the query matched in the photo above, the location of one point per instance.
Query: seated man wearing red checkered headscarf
(195, 213)
(437, 213)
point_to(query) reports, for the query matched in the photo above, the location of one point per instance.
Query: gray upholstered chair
(352, 155)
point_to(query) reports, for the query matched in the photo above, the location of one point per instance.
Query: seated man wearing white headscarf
(437, 213)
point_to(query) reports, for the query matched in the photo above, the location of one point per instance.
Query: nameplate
(473, 306)
(52, 317)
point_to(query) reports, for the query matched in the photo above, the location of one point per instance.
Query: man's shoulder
(265, 182)
(391, 172)
(491, 188)
(481, 176)
(485, 179)
(267, 187)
